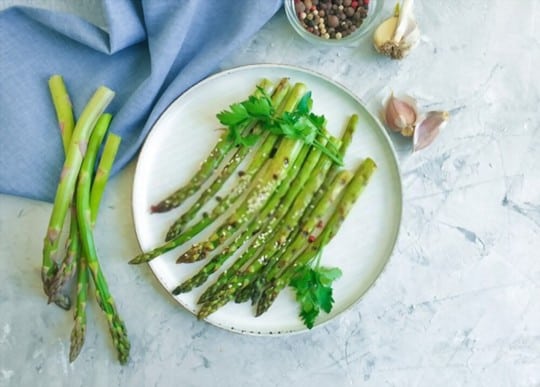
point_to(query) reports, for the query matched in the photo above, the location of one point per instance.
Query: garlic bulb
(397, 35)
(401, 114)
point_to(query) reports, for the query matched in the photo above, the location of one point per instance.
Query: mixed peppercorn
(331, 19)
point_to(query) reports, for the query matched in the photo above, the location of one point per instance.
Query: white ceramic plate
(186, 132)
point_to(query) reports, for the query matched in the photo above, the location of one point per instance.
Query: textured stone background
(459, 302)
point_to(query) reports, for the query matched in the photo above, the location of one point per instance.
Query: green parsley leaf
(235, 116)
(329, 274)
(300, 124)
(313, 291)
(305, 103)
(324, 297)
(249, 140)
(259, 107)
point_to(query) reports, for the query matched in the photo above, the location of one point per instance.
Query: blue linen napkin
(148, 52)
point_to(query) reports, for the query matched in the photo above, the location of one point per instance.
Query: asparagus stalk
(255, 166)
(207, 168)
(241, 153)
(245, 276)
(352, 192)
(287, 213)
(274, 173)
(68, 177)
(103, 296)
(66, 122)
(253, 291)
(346, 139)
(67, 267)
(277, 215)
(63, 108)
(103, 171)
(218, 260)
(307, 231)
(78, 331)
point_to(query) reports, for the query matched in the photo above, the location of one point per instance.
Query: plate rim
(394, 156)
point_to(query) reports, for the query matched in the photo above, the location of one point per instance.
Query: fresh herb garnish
(313, 288)
(299, 124)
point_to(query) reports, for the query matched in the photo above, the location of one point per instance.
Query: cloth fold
(148, 52)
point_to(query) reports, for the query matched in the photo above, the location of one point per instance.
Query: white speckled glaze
(459, 301)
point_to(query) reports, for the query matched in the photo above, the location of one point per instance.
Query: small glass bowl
(374, 9)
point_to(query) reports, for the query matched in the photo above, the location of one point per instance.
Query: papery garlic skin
(397, 35)
(401, 114)
(428, 129)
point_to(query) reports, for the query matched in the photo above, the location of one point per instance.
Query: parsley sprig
(299, 124)
(313, 288)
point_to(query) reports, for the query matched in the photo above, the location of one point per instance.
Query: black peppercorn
(334, 19)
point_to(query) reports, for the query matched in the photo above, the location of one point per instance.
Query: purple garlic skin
(428, 129)
(401, 115)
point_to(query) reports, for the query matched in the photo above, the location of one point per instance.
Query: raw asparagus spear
(70, 261)
(63, 108)
(246, 275)
(218, 260)
(207, 168)
(78, 332)
(254, 167)
(351, 194)
(110, 149)
(68, 177)
(103, 296)
(103, 171)
(66, 123)
(241, 153)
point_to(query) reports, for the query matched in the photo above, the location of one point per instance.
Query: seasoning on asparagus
(225, 144)
(304, 235)
(231, 166)
(355, 187)
(245, 180)
(267, 213)
(247, 275)
(253, 290)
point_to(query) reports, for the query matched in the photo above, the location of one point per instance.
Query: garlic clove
(428, 129)
(397, 35)
(384, 33)
(401, 114)
(405, 20)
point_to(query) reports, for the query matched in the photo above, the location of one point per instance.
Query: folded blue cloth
(148, 52)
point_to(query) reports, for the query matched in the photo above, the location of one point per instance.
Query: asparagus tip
(194, 254)
(160, 207)
(77, 341)
(141, 258)
(177, 290)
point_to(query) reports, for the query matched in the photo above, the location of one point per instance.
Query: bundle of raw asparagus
(80, 189)
(288, 199)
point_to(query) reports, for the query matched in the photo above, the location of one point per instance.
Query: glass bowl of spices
(332, 22)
